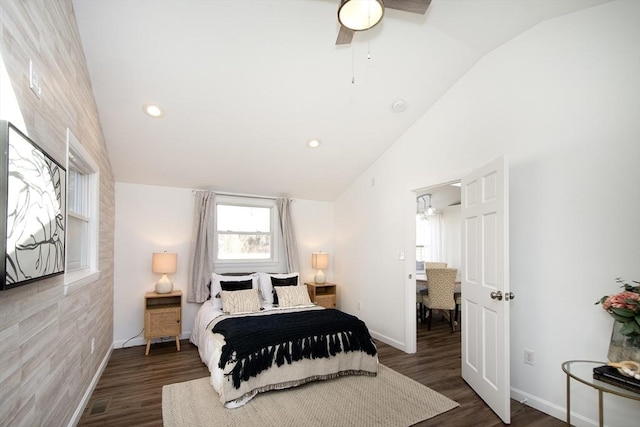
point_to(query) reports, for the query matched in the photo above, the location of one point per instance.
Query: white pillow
(292, 296)
(216, 288)
(266, 288)
(244, 301)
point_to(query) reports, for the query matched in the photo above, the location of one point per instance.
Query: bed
(252, 342)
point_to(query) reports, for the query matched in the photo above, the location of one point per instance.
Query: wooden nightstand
(162, 316)
(323, 294)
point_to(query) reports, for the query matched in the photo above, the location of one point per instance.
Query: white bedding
(201, 338)
(210, 348)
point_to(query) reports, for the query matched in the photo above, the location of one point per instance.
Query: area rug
(389, 399)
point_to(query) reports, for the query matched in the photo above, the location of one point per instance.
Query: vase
(623, 347)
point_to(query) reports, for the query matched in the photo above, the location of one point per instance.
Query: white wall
(148, 219)
(154, 219)
(562, 103)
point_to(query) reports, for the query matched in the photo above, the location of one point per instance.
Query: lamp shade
(164, 263)
(360, 15)
(320, 260)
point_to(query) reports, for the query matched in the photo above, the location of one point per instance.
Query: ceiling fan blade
(345, 35)
(411, 6)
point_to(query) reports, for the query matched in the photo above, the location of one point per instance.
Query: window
(245, 230)
(82, 216)
(78, 220)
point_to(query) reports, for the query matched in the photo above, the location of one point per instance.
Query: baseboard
(385, 339)
(75, 419)
(559, 412)
(141, 341)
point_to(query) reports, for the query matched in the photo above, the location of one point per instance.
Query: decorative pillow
(243, 301)
(277, 282)
(292, 296)
(236, 285)
(216, 287)
(266, 287)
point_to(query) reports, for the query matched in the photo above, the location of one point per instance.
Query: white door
(485, 285)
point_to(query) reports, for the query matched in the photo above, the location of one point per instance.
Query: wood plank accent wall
(46, 365)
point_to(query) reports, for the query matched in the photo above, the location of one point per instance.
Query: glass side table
(582, 371)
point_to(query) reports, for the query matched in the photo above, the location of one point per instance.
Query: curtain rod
(251, 196)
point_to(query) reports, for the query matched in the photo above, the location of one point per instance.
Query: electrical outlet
(34, 80)
(529, 357)
(359, 305)
(93, 345)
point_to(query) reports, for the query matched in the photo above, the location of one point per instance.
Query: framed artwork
(32, 210)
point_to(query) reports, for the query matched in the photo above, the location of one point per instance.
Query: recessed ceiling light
(314, 143)
(399, 106)
(152, 110)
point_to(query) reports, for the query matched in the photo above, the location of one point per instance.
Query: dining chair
(435, 265)
(419, 295)
(441, 287)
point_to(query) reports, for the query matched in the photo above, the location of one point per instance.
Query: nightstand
(162, 316)
(323, 294)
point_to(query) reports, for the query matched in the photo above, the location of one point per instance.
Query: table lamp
(320, 261)
(164, 263)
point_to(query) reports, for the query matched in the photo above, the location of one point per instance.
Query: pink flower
(629, 300)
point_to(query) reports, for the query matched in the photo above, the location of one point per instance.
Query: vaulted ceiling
(244, 85)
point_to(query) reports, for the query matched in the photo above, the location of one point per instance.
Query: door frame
(411, 338)
(410, 260)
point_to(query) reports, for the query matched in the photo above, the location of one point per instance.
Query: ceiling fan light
(359, 15)
(314, 143)
(152, 110)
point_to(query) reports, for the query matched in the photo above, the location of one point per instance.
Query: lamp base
(319, 278)
(164, 285)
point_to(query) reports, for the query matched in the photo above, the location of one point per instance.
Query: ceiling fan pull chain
(353, 66)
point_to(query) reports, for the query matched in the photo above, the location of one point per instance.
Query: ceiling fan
(360, 15)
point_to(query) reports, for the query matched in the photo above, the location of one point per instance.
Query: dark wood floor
(130, 390)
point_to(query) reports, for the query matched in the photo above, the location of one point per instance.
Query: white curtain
(435, 223)
(288, 234)
(202, 241)
(452, 237)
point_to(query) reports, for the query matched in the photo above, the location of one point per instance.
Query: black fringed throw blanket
(254, 343)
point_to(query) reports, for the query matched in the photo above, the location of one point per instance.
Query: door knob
(509, 296)
(496, 295)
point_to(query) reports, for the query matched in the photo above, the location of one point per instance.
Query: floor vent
(99, 407)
